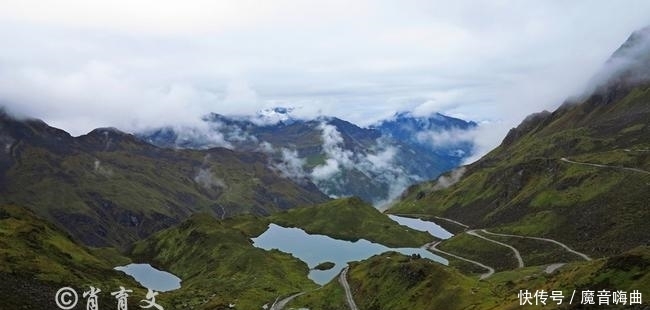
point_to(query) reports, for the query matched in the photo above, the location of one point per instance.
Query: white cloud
(337, 156)
(378, 164)
(445, 138)
(291, 165)
(207, 134)
(266, 147)
(136, 64)
(326, 170)
(102, 170)
(208, 180)
(444, 181)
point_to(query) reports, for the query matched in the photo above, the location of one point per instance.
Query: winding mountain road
(566, 247)
(343, 279)
(520, 261)
(490, 270)
(452, 221)
(564, 159)
(279, 305)
(552, 267)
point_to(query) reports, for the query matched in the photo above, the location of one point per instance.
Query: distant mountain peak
(273, 116)
(340, 157)
(628, 66)
(106, 131)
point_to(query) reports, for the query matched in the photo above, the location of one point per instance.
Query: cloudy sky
(80, 64)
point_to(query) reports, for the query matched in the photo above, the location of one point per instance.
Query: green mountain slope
(38, 259)
(351, 219)
(580, 174)
(219, 265)
(393, 281)
(525, 186)
(108, 188)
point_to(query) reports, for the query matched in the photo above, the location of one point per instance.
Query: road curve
(564, 159)
(490, 270)
(552, 267)
(343, 279)
(584, 256)
(452, 221)
(279, 305)
(520, 261)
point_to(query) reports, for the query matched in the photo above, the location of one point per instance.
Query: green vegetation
(38, 259)
(109, 189)
(351, 219)
(394, 281)
(537, 252)
(173, 208)
(524, 187)
(483, 251)
(219, 265)
(329, 297)
(325, 266)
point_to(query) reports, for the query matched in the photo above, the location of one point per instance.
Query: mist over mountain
(109, 188)
(342, 159)
(580, 174)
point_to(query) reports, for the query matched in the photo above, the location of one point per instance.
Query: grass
(113, 197)
(351, 219)
(37, 258)
(483, 251)
(394, 281)
(219, 265)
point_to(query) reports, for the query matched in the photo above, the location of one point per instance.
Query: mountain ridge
(341, 158)
(560, 174)
(109, 188)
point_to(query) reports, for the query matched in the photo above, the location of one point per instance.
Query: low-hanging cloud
(629, 65)
(445, 181)
(291, 165)
(208, 135)
(443, 138)
(120, 64)
(206, 179)
(101, 169)
(378, 164)
(337, 157)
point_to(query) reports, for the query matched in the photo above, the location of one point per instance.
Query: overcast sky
(83, 64)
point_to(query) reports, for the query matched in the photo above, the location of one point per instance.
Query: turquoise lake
(315, 249)
(152, 278)
(418, 224)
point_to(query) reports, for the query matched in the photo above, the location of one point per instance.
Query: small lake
(151, 278)
(315, 249)
(418, 224)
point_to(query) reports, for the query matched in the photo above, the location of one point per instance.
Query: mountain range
(110, 188)
(561, 204)
(375, 163)
(580, 174)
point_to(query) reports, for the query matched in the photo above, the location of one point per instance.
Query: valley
(275, 211)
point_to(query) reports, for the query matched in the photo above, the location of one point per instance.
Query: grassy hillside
(351, 219)
(219, 265)
(36, 259)
(108, 188)
(525, 187)
(393, 281)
